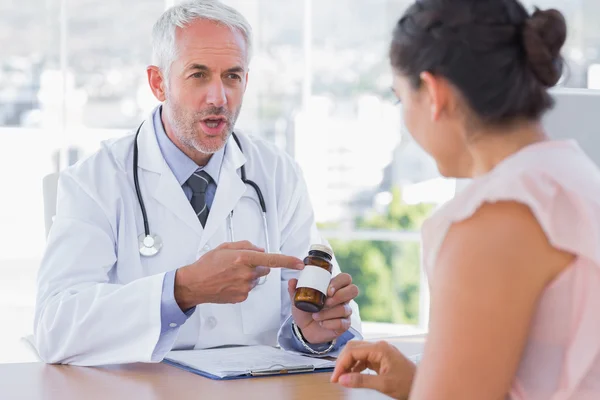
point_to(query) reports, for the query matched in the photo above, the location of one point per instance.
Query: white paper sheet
(235, 361)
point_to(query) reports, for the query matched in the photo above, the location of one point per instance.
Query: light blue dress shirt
(183, 167)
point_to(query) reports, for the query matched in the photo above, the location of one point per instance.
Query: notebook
(245, 362)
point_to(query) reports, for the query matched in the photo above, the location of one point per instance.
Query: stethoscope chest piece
(149, 245)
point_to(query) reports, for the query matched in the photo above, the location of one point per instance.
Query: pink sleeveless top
(561, 186)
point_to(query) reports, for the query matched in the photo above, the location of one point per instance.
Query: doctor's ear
(156, 82)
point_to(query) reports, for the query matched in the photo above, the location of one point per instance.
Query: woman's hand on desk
(395, 372)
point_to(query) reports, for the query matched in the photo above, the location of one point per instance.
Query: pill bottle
(311, 291)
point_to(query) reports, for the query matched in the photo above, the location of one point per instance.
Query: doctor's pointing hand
(157, 242)
(227, 274)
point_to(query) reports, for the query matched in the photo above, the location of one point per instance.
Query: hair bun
(544, 34)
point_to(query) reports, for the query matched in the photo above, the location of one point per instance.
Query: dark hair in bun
(501, 59)
(543, 36)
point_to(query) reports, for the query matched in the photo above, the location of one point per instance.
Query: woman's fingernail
(344, 379)
(315, 316)
(331, 291)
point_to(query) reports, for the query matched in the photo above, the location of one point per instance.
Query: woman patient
(514, 259)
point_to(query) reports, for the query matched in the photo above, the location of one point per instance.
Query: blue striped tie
(198, 182)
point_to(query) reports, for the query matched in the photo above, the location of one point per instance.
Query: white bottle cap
(322, 248)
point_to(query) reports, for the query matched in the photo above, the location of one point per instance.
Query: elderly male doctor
(101, 302)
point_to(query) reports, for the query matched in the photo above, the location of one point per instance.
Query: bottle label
(315, 278)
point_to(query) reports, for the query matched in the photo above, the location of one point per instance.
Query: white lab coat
(99, 301)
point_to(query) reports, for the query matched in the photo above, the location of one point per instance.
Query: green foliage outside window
(387, 273)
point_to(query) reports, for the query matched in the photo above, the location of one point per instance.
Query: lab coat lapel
(160, 180)
(230, 190)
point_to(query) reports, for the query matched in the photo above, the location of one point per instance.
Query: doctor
(118, 286)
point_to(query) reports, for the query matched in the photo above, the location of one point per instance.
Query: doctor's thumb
(292, 286)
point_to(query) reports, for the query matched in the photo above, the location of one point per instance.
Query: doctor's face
(205, 88)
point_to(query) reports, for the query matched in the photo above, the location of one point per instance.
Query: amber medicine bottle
(311, 291)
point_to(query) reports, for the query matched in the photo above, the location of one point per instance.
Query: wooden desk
(37, 381)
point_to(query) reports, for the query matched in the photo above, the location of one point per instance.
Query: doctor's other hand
(334, 319)
(227, 274)
(395, 373)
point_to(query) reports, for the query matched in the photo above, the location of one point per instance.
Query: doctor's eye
(234, 77)
(199, 75)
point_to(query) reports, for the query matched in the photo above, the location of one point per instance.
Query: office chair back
(50, 187)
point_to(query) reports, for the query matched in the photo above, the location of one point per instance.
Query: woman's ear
(437, 91)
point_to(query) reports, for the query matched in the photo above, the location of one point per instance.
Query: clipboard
(258, 373)
(302, 365)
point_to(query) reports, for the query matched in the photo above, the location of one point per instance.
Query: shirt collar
(180, 164)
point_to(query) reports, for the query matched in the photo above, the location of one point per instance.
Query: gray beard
(188, 133)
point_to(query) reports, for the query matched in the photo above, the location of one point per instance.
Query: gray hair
(164, 48)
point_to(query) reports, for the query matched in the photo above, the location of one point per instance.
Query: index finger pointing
(272, 260)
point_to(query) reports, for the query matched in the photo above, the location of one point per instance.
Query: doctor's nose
(216, 95)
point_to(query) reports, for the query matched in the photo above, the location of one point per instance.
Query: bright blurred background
(72, 73)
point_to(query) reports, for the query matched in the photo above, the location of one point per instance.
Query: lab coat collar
(230, 190)
(150, 157)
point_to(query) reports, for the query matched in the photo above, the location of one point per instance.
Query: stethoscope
(151, 244)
